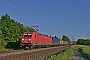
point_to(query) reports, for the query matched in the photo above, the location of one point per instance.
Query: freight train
(32, 40)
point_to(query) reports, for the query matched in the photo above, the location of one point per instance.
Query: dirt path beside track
(77, 55)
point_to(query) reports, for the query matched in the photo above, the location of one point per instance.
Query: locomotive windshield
(27, 35)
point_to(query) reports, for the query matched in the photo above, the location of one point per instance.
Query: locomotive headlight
(22, 39)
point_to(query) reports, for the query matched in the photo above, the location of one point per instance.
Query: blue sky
(55, 17)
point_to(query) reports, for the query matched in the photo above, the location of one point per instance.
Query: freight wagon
(57, 42)
(34, 39)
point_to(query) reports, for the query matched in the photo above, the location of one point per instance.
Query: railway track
(35, 54)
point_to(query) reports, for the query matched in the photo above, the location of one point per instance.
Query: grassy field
(63, 55)
(86, 51)
(66, 54)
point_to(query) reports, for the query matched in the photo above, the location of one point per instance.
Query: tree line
(11, 30)
(65, 38)
(83, 41)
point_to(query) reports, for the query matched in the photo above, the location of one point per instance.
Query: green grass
(66, 54)
(86, 51)
(63, 55)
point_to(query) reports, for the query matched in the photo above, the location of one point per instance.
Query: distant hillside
(10, 30)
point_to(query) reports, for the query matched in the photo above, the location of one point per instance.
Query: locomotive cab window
(25, 35)
(29, 35)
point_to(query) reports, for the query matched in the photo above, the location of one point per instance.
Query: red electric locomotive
(34, 39)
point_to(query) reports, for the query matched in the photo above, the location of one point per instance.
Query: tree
(80, 41)
(65, 38)
(10, 30)
(2, 42)
(83, 41)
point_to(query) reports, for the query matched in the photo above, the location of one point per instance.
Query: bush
(13, 45)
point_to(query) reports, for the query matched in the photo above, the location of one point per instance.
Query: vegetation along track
(35, 54)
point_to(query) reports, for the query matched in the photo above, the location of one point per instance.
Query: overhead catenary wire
(35, 9)
(33, 15)
(17, 12)
(24, 21)
(55, 16)
(14, 17)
